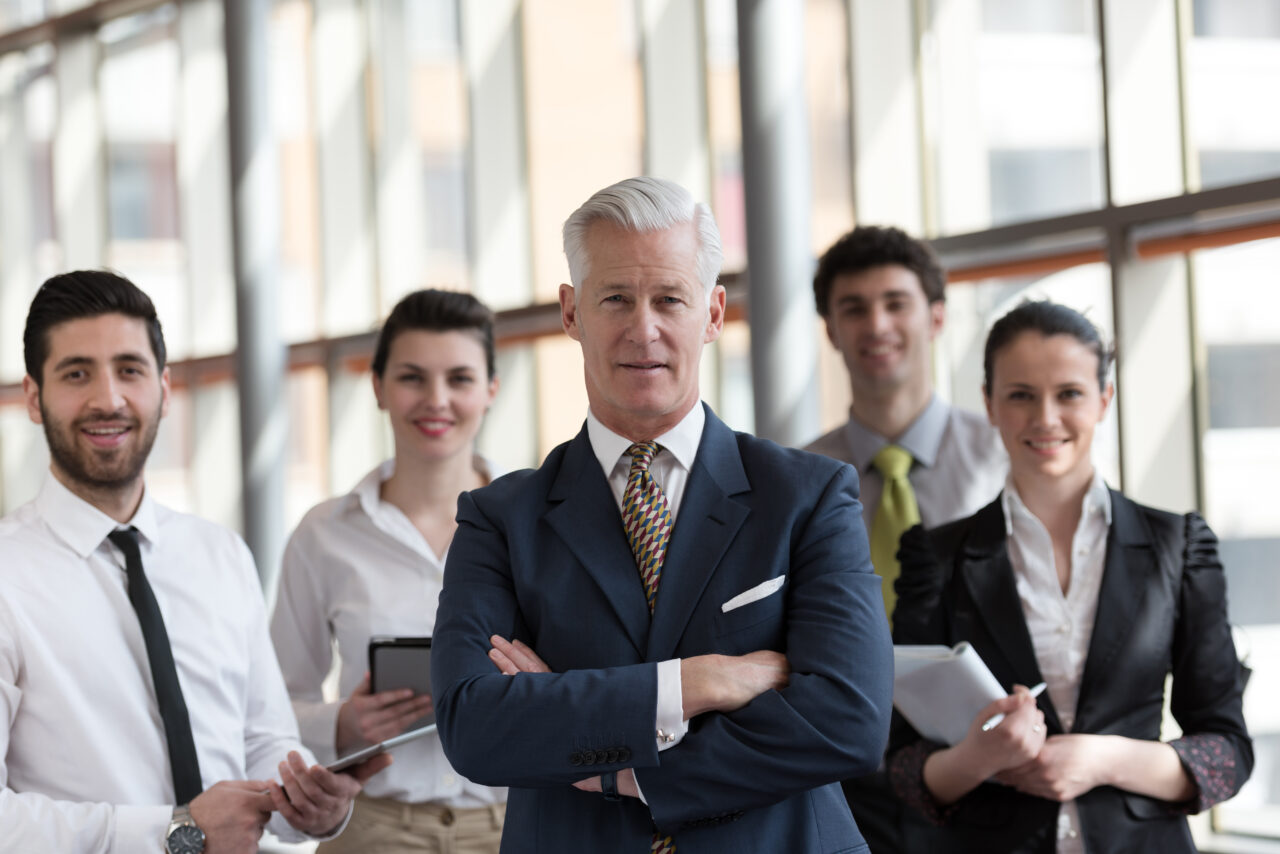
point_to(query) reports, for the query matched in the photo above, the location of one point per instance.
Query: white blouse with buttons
(1060, 625)
(356, 567)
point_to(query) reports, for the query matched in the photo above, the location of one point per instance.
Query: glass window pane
(827, 83)
(41, 106)
(1238, 317)
(307, 471)
(724, 113)
(138, 85)
(584, 112)
(15, 14)
(420, 145)
(1013, 110)
(293, 128)
(1233, 73)
(973, 307)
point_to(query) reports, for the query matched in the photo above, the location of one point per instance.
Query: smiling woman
(1064, 581)
(371, 563)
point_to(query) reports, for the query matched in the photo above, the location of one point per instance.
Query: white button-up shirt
(670, 469)
(1060, 625)
(85, 762)
(356, 567)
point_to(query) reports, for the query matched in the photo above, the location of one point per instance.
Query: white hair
(644, 204)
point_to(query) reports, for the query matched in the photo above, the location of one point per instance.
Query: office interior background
(1121, 156)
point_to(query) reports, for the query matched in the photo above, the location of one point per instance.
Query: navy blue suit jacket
(542, 556)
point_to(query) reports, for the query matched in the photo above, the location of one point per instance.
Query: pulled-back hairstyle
(1046, 318)
(871, 246)
(643, 205)
(436, 311)
(83, 294)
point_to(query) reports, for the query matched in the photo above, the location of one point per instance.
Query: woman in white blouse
(1065, 581)
(371, 563)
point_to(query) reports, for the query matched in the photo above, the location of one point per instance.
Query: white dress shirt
(957, 469)
(86, 765)
(1060, 625)
(356, 567)
(670, 469)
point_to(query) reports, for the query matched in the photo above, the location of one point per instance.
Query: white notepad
(940, 690)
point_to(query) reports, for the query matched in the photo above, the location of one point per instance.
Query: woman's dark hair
(871, 246)
(1047, 318)
(81, 294)
(436, 311)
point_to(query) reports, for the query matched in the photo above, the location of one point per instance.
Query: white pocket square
(755, 594)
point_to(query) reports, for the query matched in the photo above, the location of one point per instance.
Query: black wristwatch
(183, 835)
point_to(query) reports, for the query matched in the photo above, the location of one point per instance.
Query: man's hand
(725, 683)
(515, 656)
(232, 814)
(315, 800)
(626, 784)
(367, 718)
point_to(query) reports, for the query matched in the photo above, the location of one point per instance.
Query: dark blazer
(1161, 609)
(542, 555)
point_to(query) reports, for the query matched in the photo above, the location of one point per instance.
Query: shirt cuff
(670, 726)
(139, 828)
(286, 832)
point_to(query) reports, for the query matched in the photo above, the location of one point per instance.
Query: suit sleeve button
(575, 758)
(624, 754)
(612, 755)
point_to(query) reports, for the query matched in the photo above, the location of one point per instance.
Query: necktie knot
(642, 454)
(126, 540)
(893, 462)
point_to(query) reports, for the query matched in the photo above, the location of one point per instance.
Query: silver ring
(1037, 728)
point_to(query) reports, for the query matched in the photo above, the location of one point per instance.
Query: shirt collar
(367, 494)
(1096, 498)
(922, 438)
(681, 440)
(81, 525)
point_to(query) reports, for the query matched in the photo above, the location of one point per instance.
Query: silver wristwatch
(183, 835)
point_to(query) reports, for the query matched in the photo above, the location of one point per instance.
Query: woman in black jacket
(1065, 581)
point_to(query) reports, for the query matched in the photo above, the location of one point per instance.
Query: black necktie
(173, 709)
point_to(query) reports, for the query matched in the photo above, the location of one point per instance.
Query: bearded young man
(141, 702)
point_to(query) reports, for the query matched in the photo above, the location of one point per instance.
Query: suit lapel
(709, 520)
(1127, 574)
(586, 517)
(988, 574)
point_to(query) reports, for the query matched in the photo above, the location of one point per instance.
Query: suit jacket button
(575, 758)
(595, 757)
(624, 754)
(611, 755)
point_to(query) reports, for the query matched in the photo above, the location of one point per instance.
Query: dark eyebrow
(84, 361)
(72, 361)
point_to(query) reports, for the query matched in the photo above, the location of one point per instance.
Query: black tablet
(402, 662)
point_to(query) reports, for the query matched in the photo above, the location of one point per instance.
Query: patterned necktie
(895, 515)
(647, 518)
(183, 762)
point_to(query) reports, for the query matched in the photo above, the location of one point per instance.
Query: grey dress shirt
(959, 467)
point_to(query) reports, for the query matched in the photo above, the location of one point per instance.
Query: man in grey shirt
(881, 294)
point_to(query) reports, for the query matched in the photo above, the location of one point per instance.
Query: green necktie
(895, 515)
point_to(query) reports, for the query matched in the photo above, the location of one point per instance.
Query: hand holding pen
(995, 720)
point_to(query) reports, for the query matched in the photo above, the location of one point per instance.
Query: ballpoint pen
(994, 721)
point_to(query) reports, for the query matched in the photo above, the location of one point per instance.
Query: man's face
(100, 401)
(641, 317)
(881, 322)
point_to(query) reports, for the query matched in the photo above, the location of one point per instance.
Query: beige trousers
(384, 826)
